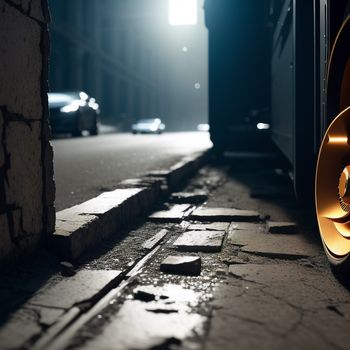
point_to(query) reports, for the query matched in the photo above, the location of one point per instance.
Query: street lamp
(182, 12)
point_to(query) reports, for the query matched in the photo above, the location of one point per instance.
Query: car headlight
(72, 107)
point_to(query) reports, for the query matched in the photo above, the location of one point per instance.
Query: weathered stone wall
(26, 171)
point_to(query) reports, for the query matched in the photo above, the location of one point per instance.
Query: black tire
(77, 131)
(94, 129)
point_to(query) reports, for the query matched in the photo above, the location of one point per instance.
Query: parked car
(73, 112)
(203, 127)
(148, 125)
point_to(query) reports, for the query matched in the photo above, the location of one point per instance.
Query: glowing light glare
(185, 49)
(337, 139)
(182, 12)
(73, 107)
(197, 86)
(263, 126)
(83, 95)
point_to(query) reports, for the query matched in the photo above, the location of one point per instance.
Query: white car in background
(148, 126)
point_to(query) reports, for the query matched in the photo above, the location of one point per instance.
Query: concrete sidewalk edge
(78, 228)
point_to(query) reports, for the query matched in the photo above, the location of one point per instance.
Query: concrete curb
(78, 228)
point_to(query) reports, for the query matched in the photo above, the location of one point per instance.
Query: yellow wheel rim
(333, 187)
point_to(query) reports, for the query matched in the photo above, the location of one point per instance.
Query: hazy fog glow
(182, 12)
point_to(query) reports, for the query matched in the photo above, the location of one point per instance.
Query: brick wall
(26, 170)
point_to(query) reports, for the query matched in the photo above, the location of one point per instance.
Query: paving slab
(282, 227)
(189, 197)
(213, 226)
(224, 214)
(200, 241)
(84, 285)
(19, 329)
(153, 241)
(163, 322)
(264, 244)
(182, 265)
(175, 213)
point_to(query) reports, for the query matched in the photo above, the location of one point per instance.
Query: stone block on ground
(182, 265)
(81, 226)
(107, 201)
(67, 269)
(282, 227)
(154, 240)
(274, 246)
(74, 233)
(200, 241)
(224, 214)
(189, 197)
(175, 213)
(213, 226)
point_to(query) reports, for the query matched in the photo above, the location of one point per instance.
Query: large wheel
(332, 187)
(333, 191)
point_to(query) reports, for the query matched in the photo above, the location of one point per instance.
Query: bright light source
(83, 95)
(182, 12)
(72, 107)
(263, 126)
(197, 86)
(185, 49)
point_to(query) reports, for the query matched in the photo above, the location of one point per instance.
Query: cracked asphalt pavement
(262, 288)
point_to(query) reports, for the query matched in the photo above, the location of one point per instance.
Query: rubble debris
(200, 241)
(144, 296)
(182, 265)
(153, 241)
(282, 227)
(67, 269)
(162, 311)
(189, 197)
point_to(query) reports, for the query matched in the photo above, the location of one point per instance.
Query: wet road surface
(87, 166)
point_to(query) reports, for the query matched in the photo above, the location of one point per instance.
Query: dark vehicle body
(73, 112)
(292, 56)
(239, 73)
(275, 55)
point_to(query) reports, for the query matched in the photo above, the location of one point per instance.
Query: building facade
(125, 55)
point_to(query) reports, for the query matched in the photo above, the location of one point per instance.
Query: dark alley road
(87, 166)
